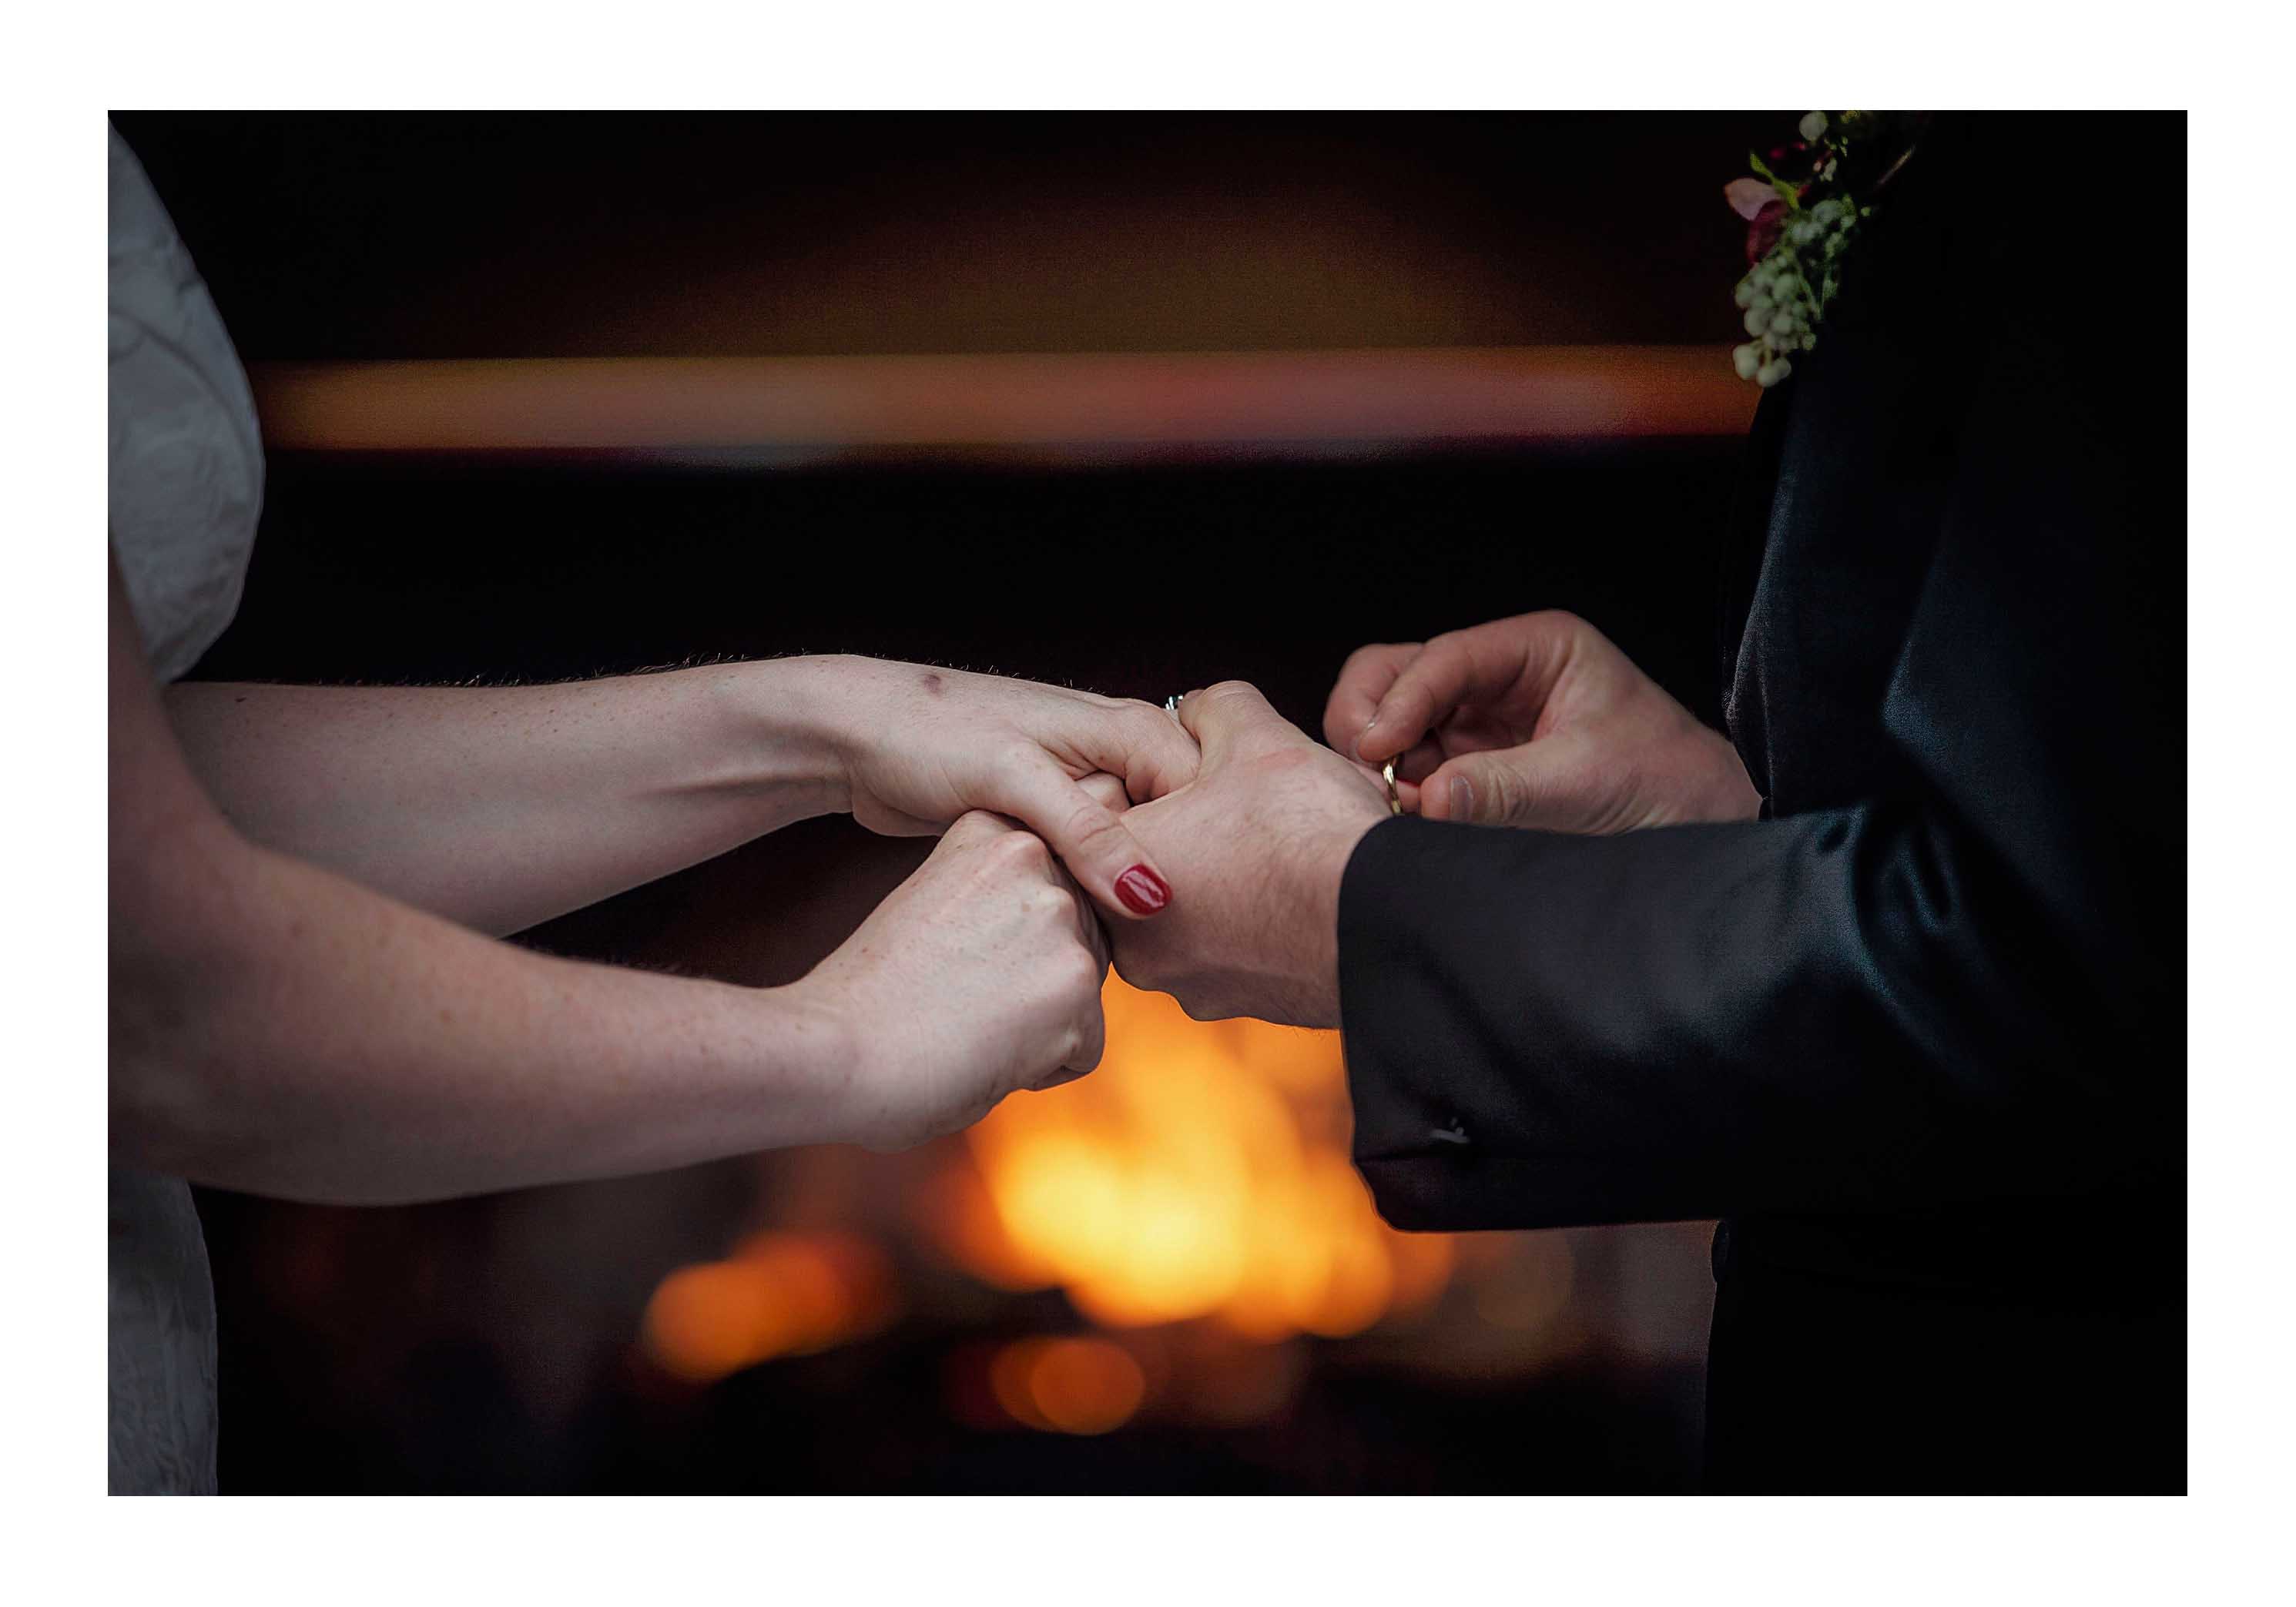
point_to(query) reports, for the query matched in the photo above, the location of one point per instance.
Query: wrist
(793, 723)
(1728, 793)
(810, 1030)
(1327, 854)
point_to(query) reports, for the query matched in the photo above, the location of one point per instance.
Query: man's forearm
(1857, 1009)
(278, 1029)
(502, 807)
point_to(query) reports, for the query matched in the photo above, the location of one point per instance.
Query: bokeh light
(777, 1294)
(1073, 1385)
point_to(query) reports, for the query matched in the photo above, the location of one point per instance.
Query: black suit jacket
(1918, 1033)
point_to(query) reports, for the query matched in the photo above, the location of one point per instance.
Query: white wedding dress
(186, 484)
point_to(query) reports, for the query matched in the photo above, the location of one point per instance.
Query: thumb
(1506, 787)
(1233, 719)
(1089, 836)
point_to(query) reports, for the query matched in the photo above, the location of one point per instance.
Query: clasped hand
(1242, 823)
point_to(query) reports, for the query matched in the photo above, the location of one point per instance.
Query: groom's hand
(1260, 838)
(1535, 721)
(916, 747)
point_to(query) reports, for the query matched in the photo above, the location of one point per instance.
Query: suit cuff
(1456, 1126)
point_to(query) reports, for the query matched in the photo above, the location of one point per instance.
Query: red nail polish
(1143, 891)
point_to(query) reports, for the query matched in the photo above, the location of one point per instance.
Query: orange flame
(1201, 1172)
(777, 1294)
(1076, 1385)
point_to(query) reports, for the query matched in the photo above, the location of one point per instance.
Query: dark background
(487, 1344)
(334, 236)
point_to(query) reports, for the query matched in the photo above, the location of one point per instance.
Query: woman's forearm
(502, 807)
(278, 1029)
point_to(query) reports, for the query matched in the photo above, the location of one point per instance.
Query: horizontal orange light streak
(1145, 402)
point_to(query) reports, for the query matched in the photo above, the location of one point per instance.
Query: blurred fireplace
(1163, 1277)
(1201, 396)
(1193, 1203)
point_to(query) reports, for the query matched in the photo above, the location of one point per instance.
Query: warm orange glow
(778, 1294)
(1137, 403)
(1077, 1386)
(1201, 1172)
(705, 1321)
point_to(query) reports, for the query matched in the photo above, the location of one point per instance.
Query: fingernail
(1363, 736)
(1143, 891)
(1462, 799)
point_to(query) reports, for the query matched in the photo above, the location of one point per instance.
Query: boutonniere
(1803, 209)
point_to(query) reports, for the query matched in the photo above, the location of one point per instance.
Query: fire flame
(1201, 1172)
(777, 1294)
(1079, 1385)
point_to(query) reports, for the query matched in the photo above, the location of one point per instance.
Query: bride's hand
(920, 746)
(978, 976)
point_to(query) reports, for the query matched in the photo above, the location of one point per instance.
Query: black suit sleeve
(1971, 987)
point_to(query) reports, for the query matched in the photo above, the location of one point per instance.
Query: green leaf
(1786, 192)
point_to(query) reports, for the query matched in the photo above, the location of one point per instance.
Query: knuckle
(1084, 968)
(1064, 1062)
(1364, 659)
(1147, 722)
(1411, 689)
(1165, 743)
(1020, 851)
(1106, 789)
(1089, 824)
(1015, 747)
(968, 829)
(1510, 795)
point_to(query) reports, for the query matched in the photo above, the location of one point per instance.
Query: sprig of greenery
(1786, 192)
